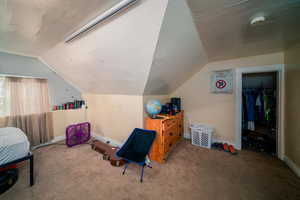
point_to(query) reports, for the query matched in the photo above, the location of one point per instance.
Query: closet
(259, 108)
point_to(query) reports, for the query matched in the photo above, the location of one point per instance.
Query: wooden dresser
(168, 132)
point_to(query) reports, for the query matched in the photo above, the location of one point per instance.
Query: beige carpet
(190, 173)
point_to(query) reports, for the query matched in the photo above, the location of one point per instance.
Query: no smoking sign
(221, 81)
(221, 84)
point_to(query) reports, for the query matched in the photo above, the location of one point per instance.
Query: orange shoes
(229, 148)
(232, 150)
(226, 147)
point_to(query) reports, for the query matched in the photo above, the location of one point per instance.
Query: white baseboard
(187, 135)
(96, 136)
(116, 143)
(295, 168)
(55, 139)
(106, 139)
(222, 141)
(58, 138)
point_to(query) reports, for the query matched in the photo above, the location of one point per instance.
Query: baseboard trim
(106, 139)
(293, 166)
(58, 138)
(94, 135)
(187, 135)
(222, 141)
(55, 139)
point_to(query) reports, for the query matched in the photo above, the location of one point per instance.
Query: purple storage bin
(78, 134)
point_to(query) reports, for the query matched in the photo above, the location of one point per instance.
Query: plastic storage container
(201, 135)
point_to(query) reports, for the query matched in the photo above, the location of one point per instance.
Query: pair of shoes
(218, 146)
(226, 147)
(229, 148)
(232, 150)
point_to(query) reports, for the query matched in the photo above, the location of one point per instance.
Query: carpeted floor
(190, 173)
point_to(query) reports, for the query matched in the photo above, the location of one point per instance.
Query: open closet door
(259, 112)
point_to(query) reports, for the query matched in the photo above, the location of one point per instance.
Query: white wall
(292, 63)
(217, 110)
(114, 116)
(64, 118)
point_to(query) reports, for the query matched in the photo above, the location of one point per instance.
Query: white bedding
(14, 144)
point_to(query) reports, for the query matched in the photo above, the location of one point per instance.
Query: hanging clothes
(260, 107)
(250, 111)
(267, 107)
(258, 101)
(244, 112)
(251, 125)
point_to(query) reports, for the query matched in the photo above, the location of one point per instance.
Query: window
(24, 102)
(4, 98)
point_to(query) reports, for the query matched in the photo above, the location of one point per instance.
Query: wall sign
(222, 81)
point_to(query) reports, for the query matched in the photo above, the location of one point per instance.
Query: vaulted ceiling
(179, 51)
(33, 27)
(150, 48)
(224, 26)
(116, 57)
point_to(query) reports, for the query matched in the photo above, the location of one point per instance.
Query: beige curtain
(30, 108)
(4, 97)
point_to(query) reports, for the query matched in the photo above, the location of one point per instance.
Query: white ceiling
(223, 26)
(34, 26)
(144, 49)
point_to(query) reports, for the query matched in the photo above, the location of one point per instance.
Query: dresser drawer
(170, 133)
(168, 145)
(180, 128)
(168, 124)
(170, 137)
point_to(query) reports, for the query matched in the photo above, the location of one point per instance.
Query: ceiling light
(258, 20)
(110, 12)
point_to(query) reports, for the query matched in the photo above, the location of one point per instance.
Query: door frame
(280, 103)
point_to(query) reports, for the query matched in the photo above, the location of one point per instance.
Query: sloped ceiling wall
(179, 52)
(115, 58)
(32, 27)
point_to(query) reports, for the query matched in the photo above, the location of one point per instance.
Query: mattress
(14, 144)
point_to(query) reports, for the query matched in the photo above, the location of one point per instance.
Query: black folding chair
(136, 148)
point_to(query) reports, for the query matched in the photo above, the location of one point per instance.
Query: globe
(153, 107)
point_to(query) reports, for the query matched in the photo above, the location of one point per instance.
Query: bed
(14, 148)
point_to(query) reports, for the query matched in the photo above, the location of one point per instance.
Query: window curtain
(4, 97)
(26, 106)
